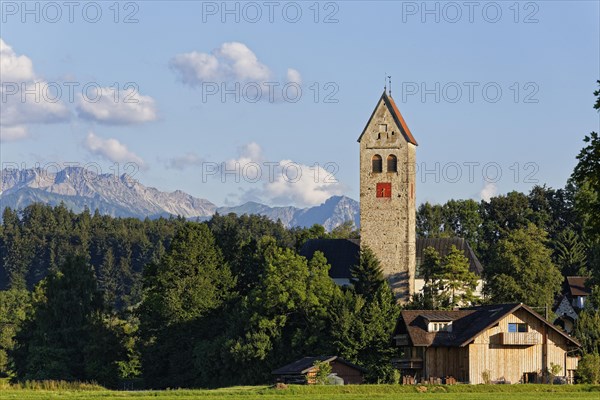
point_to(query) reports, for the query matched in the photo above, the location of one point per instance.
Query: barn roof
(398, 118)
(577, 286)
(304, 365)
(443, 246)
(467, 324)
(342, 254)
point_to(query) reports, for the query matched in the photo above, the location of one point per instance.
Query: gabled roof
(304, 365)
(389, 102)
(467, 324)
(342, 254)
(577, 286)
(443, 246)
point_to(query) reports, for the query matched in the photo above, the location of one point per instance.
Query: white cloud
(13, 133)
(26, 98)
(279, 182)
(242, 62)
(301, 185)
(488, 191)
(187, 160)
(249, 153)
(232, 61)
(116, 107)
(294, 76)
(111, 150)
(14, 68)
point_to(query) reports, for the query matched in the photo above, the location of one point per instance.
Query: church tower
(387, 195)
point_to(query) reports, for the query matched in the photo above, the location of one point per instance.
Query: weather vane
(390, 80)
(384, 82)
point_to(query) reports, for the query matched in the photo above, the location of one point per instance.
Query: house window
(440, 327)
(377, 164)
(392, 163)
(514, 327)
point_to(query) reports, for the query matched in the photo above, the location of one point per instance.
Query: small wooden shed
(303, 371)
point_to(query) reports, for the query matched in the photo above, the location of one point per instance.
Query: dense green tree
(457, 281)
(586, 178)
(302, 235)
(284, 316)
(367, 276)
(552, 210)
(521, 269)
(448, 282)
(346, 230)
(430, 220)
(502, 215)
(361, 331)
(15, 257)
(15, 305)
(67, 337)
(190, 281)
(237, 237)
(588, 369)
(570, 254)
(430, 270)
(463, 219)
(587, 328)
(37, 239)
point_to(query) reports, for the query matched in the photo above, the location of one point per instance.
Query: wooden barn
(503, 343)
(303, 371)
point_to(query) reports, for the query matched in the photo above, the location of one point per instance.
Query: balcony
(408, 363)
(402, 340)
(519, 338)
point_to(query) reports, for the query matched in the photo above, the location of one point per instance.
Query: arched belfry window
(377, 163)
(392, 163)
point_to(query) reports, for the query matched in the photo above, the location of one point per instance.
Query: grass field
(457, 392)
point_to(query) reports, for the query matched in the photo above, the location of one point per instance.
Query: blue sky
(542, 56)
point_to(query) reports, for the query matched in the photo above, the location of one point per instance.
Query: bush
(588, 370)
(323, 371)
(485, 376)
(553, 371)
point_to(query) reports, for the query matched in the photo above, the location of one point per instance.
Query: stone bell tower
(387, 195)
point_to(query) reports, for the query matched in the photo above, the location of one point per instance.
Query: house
(565, 315)
(572, 301)
(507, 343)
(577, 292)
(303, 371)
(342, 254)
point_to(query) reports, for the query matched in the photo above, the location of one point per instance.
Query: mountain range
(121, 196)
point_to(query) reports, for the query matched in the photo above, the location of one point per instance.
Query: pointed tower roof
(391, 105)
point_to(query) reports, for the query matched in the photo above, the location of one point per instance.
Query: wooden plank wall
(351, 376)
(509, 362)
(441, 362)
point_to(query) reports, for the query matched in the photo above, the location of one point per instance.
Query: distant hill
(334, 212)
(120, 196)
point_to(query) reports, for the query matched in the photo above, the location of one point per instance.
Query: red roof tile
(389, 102)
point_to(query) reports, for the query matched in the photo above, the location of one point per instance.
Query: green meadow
(462, 392)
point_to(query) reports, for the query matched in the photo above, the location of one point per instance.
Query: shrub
(553, 371)
(485, 375)
(323, 371)
(588, 370)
